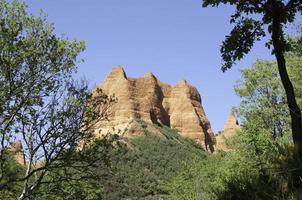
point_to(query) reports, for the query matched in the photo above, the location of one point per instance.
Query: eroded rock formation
(16, 151)
(150, 100)
(230, 129)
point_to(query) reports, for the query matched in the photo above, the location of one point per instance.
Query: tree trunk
(294, 110)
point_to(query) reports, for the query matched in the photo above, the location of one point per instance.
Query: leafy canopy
(40, 102)
(252, 18)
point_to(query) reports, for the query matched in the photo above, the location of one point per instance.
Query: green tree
(294, 57)
(40, 102)
(262, 165)
(262, 94)
(85, 177)
(259, 168)
(251, 19)
(263, 97)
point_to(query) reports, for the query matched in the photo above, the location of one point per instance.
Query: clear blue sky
(175, 39)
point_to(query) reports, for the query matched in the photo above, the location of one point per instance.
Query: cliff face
(148, 99)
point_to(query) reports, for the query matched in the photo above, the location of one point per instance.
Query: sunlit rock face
(153, 101)
(230, 129)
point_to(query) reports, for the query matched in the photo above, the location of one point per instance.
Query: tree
(259, 168)
(263, 97)
(262, 93)
(262, 165)
(40, 102)
(251, 19)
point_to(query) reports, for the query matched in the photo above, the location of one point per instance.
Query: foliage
(84, 177)
(260, 168)
(263, 96)
(295, 72)
(40, 102)
(137, 168)
(13, 171)
(153, 161)
(253, 19)
(262, 164)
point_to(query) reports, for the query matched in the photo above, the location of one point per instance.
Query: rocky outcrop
(16, 150)
(230, 129)
(153, 101)
(231, 125)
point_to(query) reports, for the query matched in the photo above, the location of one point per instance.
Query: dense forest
(52, 113)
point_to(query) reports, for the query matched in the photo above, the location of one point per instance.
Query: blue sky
(175, 39)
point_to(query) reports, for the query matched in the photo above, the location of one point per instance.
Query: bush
(259, 168)
(128, 168)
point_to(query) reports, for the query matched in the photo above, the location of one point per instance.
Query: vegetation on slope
(151, 160)
(141, 167)
(263, 164)
(123, 167)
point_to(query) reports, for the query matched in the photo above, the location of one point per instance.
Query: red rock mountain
(153, 101)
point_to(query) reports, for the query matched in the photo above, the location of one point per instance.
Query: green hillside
(137, 167)
(142, 170)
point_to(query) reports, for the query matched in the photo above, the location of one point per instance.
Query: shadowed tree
(253, 19)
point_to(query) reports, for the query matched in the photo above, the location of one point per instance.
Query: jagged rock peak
(232, 122)
(188, 89)
(118, 71)
(17, 146)
(150, 75)
(183, 82)
(153, 101)
(230, 129)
